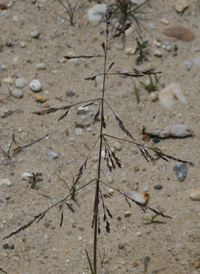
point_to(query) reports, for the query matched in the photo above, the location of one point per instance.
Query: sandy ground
(171, 246)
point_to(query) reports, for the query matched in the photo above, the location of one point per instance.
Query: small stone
(156, 140)
(153, 96)
(146, 137)
(78, 131)
(145, 188)
(54, 35)
(117, 146)
(17, 93)
(158, 53)
(35, 86)
(141, 197)
(41, 66)
(136, 168)
(23, 44)
(169, 48)
(70, 93)
(180, 33)
(181, 171)
(20, 82)
(26, 176)
(170, 95)
(197, 263)
(127, 214)
(138, 233)
(110, 179)
(15, 60)
(135, 186)
(164, 21)
(152, 25)
(83, 110)
(129, 51)
(8, 80)
(35, 34)
(111, 190)
(175, 48)
(195, 195)
(105, 260)
(5, 181)
(158, 187)
(40, 99)
(97, 13)
(188, 65)
(3, 67)
(6, 246)
(53, 155)
(121, 246)
(181, 6)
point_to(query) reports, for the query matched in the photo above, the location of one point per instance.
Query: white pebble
(53, 155)
(97, 13)
(8, 80)
(23, 44)
(41, 66)
(127, 214)
(5, 181)
(20, 83)
(17, 93)
(110, 179)
(158, 53)
(140, 197)
(26, 176)
(78, 131)
(138, 233)
(83, 110)
(117, 145)
(35, 34)
(188, 65)
(15, 60)
(35, 86)
(111, 191)
(195, 195)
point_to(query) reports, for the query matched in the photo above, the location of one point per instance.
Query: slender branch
(42, 214)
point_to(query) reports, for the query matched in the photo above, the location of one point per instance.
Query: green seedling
(12, 141)
(78, 125)
(34, 179)
(140, 51)
(153, 83)
(69, 10)
(153, 218)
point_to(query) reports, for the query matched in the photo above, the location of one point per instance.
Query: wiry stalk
(96, 202)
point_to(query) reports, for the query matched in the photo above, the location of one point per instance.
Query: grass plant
(102, 143)
(69, 10)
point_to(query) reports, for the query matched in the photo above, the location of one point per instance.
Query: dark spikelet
(89, 104)
(137, 73)
(80, 172)
(3, 270)
(96, 116)
(111, 159)
(127, 201)
(109, 214)
(116, 160)
(99, 228)
(166, 157)
(108, 226)
(104, 123)
(111, 65)
(40, 216)
(147, 155)
(61, 218)
(103, 46)
(123, 127)
(63, 116)
(92, 225)
(121, 31)
(92, 78)
(70, 207)
(104, 217)
(107, 195)
(46, 111)
(82, 56)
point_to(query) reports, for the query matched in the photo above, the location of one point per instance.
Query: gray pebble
(20, 83)
(152, 25)
(17, 93)
(175, 48)
(169, 48)
(188, 65)
(53, 155)
(78, 131)
(83, 110)
(181, 171)
(121, 246)
(3, 67)
(35, 34)
(70, 93)
(158, 53)
(158, 187)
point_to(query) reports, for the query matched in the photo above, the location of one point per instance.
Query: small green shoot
(69, 10)
(89, 262)
(34, 179)
(140, 50)
(78, 125)
(153, 218)
(153, 83)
